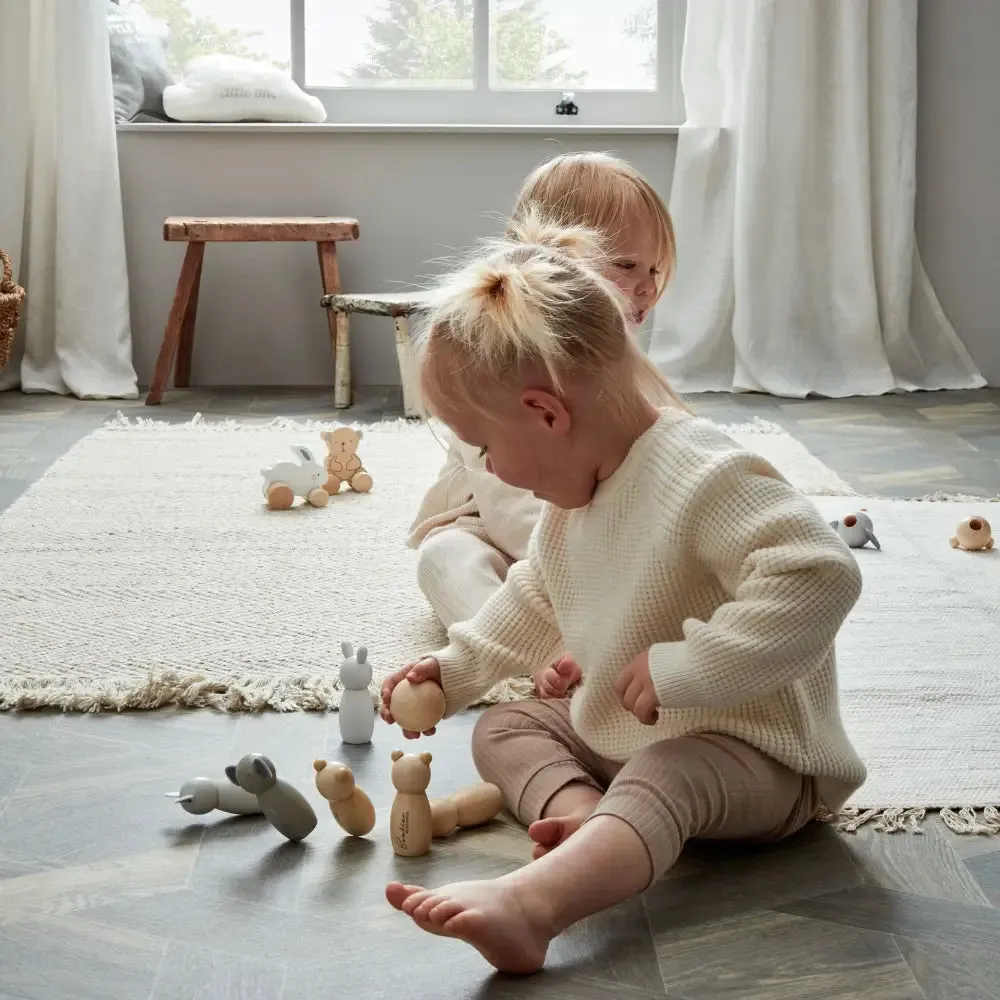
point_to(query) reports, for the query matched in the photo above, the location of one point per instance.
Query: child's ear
(548, 409)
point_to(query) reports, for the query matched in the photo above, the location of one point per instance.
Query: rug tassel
(883, 820)
(965, 822)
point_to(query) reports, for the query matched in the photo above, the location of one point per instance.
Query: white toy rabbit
(285, 481)
(357, 710)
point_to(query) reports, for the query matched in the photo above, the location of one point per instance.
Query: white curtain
(793, 197)
(60, 200)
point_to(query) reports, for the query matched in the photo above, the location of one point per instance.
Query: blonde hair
(599, 191)
(534, 301)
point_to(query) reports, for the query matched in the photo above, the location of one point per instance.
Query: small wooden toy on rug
(856, 530)
(202, 795)
(974, 534)
(283, 805)
(342, 462)
(410, 825)
(350, 806)
(468, 807)
(356, 713)
(285, 481)
(417, 707)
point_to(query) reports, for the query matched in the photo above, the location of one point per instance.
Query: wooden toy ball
(973, 534)
(417, 707)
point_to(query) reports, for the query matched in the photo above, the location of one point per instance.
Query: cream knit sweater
(702, 554)
(504, 515)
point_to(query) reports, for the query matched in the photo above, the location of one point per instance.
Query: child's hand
(554, 680)
(636, 692)
(427, 669)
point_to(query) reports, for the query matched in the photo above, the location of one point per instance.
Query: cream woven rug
(143, 570)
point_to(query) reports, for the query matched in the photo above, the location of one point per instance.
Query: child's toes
(412, 903)
(423, 909)
(444, 911)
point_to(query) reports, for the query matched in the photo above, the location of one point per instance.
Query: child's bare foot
(550, 832)
(507, 926)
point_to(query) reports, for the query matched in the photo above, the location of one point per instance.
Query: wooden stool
(400, 306)
(178, 337)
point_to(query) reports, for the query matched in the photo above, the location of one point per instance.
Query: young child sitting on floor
(699, 592)
(472, 526)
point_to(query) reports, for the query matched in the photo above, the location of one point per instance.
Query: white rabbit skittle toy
(357, 708)
(285, 481)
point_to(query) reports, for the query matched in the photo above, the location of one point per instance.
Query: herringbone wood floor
(108, 890)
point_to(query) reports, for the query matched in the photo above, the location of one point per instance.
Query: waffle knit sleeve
(447, 495)
(792, 583)
(513, 634)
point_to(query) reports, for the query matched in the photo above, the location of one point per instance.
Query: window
(453, 61)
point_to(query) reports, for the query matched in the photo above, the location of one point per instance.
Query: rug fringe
(899, 820)
(170, 689)
(228, 425)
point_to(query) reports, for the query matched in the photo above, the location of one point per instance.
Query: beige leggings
(458, 570)
(705, 786)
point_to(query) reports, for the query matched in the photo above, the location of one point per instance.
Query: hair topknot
(534, 300)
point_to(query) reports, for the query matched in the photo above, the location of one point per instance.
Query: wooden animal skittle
(342, 462)
(351, 808)
(356, 714)
(856, 530)
(410, 819)
(202, 795)
(468, 807)
(974, 534)
(283, 805)
(285, 481)
(417, 707)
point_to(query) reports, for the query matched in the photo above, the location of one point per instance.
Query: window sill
(432, 129)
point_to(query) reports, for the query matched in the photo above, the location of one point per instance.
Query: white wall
(958, 168)
(417, 196)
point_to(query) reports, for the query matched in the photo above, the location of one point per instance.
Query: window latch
(566, 106)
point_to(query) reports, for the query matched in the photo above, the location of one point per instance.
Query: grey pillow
(138, 62)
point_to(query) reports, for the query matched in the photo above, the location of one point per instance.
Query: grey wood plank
(615, 946)
(115, 802)
(202, 973)
(47, 894)
(253, 929)
(739, 879)
(948, 972)
(68, 957)
(973, 927)
(923, 865)
(985, 869)
(772, 956)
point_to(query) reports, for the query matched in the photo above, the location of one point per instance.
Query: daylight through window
(451, 61)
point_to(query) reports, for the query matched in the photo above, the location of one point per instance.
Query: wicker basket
(11, 300)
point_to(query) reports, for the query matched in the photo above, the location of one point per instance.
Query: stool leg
(175, 321)
(407, 368)
(340, 329)
(342, 361)
(182, 376)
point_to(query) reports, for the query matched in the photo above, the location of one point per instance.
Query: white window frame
(481, 105)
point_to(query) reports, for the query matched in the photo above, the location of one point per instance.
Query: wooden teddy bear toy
(410, 823)
(350, 806)
(342, 462)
